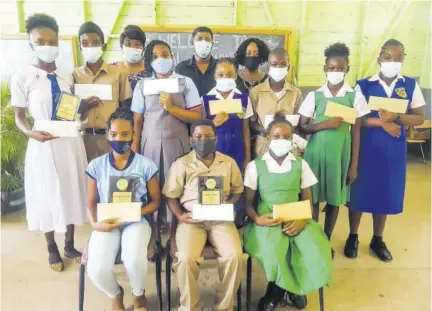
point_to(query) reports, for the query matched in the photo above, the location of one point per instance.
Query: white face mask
(335, 77)
(92, 55)
(280, 147)
(278, 74)
(132, 55)
(203, 48)
(225, 84)
(391, 69)
(46, 53)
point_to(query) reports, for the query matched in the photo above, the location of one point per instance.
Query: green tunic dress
(328, 154)
(299, 264)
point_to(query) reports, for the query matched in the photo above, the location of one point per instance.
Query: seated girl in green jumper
(296, 256)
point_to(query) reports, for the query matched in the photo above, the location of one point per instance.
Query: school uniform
(132, 238)
(328, 152)
(164, 138)
(230, 134)
(299, 264)
(382, 158)
(51, 167)
(94, 121)
(265, 102)
(182, 184)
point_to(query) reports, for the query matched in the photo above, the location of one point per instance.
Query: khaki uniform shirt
(182, 180)
(121, 90)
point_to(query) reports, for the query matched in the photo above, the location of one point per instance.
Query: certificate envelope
(57, 128)
(293, 211)
(348, 114)
(224, 212)
(156, 86)
(127, 212)
(225, 105)
(390, 104)
(103, 91)
(291, 118)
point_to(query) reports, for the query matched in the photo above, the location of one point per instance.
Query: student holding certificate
(52, 164)
(380, 185)
(162, 110)
(130, 171)
(232, 129)
(295, 254)
(332, 151)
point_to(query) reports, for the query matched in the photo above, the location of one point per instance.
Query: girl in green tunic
(332, 151)
(296, 255)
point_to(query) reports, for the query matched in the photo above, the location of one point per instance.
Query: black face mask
(204, 147)
(252, 62)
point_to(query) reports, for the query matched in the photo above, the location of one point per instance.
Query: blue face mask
(120, 147)
(162, 65)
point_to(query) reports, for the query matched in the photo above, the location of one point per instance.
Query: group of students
(149, 138)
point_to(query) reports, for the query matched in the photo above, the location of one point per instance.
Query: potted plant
(13, 147)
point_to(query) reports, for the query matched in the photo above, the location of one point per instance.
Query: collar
(218, 95)
(212, 61)
(377, 77)
(129, 162)
(267, 157)
(341, 93)
(266, 86)
(40, 73)
(104, 67)
(193, 157)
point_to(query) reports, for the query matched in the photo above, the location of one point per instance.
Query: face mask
(204, 147)
(280, 147)
(278, 74)
(121, 147)
(92, 55)
(132, 55)
(252, 62)
(45, 53)
(391, 69)
(225, 84)
(162, 65)
(203, 48)
(335, 77)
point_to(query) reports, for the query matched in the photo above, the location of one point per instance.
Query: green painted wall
(362, 25)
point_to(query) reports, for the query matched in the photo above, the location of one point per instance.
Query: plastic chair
(419, 135)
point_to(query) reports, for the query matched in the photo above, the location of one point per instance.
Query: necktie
(55, 93)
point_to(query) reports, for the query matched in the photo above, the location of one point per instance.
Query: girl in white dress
(55, 183)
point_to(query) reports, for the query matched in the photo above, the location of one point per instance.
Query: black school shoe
(293, 300)
(272, 298)
(378, 246)
(351, 246)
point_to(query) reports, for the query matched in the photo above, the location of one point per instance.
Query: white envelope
(224, 212)
(103, 91)
(126, 212)
(58, 128)
(395, 105)
(225, 105)
(348, 114)
(156, 86)
(292, 118)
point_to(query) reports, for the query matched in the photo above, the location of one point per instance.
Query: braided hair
(121, 114)
(228, 60)
(392, 42)
(148, 54)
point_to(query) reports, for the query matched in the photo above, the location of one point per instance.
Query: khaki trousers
(191, 240)
(96, 146)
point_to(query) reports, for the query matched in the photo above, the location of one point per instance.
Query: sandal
(71, 253)
(54, 258)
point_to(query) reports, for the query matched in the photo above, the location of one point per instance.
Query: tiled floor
(365, 284)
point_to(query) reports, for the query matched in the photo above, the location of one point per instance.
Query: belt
(95, 132)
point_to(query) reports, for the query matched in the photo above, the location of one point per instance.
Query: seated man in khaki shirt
(273, 95)
(181, 190)
(97, 71)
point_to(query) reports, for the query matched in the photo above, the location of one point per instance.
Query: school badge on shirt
(242, 114)
(401, 92)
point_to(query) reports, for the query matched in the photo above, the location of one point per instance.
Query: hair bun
(280, 115)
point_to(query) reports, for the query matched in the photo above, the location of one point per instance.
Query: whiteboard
(16, 53)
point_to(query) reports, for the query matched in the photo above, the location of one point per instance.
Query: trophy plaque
(210, 190)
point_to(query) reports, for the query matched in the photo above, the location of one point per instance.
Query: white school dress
(55, 181)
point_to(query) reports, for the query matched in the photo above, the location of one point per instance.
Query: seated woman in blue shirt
(109, 237)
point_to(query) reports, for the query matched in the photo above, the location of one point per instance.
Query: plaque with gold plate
(122, 203)
(210, 190)
(68, 106)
